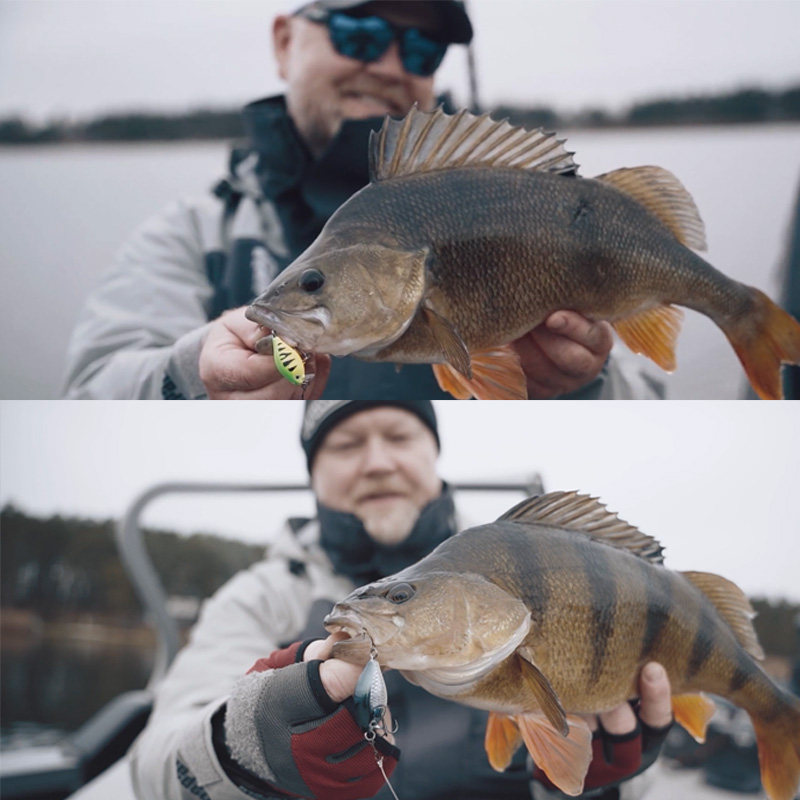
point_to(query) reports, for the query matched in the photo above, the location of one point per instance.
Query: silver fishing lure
(371, 701)
(370, 697)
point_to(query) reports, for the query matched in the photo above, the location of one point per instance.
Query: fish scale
(552, 611)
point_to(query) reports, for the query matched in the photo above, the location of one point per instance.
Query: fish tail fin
(763, 341)
(778, 741)
(496, 375)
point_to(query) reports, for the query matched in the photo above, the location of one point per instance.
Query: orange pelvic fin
(778, 744)
(565, 760)
(652, 333)
(502, 740)
(693, 712)
(496, 375)
(763, 341)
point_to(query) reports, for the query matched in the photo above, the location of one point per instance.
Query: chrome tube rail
(139, 566)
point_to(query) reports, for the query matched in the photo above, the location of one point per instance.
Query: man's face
(325, 88)
(379, 464)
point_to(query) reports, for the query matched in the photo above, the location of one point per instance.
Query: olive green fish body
(507, 248)
(598, 613)
(472, 232)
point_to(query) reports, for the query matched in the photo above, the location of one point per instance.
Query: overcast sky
(715, 482)
(79, 57)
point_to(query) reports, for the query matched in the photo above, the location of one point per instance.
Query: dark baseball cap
(453, 26)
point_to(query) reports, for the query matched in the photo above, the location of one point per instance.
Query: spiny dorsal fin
(661, 193)
(732, 605)
(585, 514)
(424, 141)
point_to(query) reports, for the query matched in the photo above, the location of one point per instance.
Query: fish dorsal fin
(661, 193)
(425, 141)
(585, 514)
(732, 605)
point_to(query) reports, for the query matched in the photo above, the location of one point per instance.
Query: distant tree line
(742, 106)
(62, 567)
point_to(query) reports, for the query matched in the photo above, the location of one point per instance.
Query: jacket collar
(355, 554)
(284, 163)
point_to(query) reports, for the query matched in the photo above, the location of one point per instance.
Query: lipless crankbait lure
(289, 361)
(371, 701)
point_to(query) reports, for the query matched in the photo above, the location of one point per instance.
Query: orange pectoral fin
(502, 740)
(565, 760)
(496, 375)
(693, 712)
(652, 333)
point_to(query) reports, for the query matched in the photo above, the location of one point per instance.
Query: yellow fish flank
(471, 232)
(550, 612)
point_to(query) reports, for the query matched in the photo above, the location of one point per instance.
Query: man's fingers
(618, 720)
(570, 358)
(339, 678)
(654, 690)
(594, 336)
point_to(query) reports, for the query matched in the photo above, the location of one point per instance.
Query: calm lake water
(50, 688)
(66, 209)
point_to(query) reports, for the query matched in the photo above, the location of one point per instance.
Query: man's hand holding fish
(563, 354)
(232, 369)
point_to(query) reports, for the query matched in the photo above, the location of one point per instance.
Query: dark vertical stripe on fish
(742, 675)
(703, 642)
(602, 587)
(528, 571)
(658, 599)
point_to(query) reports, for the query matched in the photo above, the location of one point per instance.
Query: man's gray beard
(392, 527)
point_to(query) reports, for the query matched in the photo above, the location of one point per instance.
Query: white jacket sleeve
(247, 619)
(148, 317)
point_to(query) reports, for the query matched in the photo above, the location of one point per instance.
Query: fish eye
(311, 280)
(400, 592)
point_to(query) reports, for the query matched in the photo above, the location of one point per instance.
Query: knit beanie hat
(322, 415)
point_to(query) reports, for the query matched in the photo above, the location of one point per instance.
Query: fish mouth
(281, 323)
(345, 623)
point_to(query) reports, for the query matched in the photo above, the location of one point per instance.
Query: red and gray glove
(282, 728)
(615, 758)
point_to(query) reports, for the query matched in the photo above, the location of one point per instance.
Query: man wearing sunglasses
(168, 321)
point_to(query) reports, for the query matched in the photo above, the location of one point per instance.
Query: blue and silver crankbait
(371, 702)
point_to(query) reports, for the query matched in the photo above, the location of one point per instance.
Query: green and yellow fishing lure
(289, 361)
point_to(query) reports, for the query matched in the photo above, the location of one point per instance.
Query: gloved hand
(627, 739)
(289, 724)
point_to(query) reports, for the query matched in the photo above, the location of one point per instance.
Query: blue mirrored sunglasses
(368, 38)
